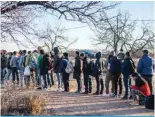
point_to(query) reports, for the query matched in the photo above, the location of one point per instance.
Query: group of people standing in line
(42, 67)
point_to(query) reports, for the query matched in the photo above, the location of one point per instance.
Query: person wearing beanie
(141, 87)
(128, 67)
(78, 71)
(145, 68)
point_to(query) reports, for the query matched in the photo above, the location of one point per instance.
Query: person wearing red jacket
(141, 87)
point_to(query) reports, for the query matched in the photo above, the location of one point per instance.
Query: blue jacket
(127, 67)
(63, 66)
(115, 66)
(145, 66)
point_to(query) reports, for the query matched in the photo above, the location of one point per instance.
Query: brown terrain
(63, 103)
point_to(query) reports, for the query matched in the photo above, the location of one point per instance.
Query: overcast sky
(138, 10)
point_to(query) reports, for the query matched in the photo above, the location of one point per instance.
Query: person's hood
(145, 55)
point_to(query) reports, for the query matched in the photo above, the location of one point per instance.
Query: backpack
(32, 64)
(96, 68)
(69, 69)
(149, 104)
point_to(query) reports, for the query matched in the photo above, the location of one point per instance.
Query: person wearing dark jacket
(141, 87)
(145, 68)
(115, 70)
(65, 76)
(97, 72)
(78, 71)
(9, 69)
(128, 68)
(44, 69)
(14, 65)
(56, 67)
(86, 73)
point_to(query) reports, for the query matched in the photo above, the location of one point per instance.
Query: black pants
(87, 83)
(149, 80)
(78, 80)
(120, 85)
(99, 82)
(116, 80)
(15, 74)
(65, 78)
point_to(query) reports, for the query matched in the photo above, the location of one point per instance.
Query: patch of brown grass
(17, 103)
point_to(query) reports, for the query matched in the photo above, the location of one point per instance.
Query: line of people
(39, 67)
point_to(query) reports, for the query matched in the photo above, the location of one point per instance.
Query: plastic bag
(27, 71)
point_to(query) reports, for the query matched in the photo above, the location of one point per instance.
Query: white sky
(141, 10)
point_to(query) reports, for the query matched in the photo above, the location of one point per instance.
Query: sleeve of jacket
(140, 66)
(27, 61)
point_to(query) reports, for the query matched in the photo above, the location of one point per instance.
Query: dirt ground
(63, 103)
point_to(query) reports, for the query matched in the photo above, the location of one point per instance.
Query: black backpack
(96, 68)
(149, 104)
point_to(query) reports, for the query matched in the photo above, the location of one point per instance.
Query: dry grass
(16, 102)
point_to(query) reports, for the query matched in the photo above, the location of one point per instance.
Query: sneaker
(124, 98)
(119, 95)
(134, 103)
(106, 95)
(39, 88)
(113, 95)
(61, 89)
(85, 92)
(78, 92)
(130, 97)
(96, 93)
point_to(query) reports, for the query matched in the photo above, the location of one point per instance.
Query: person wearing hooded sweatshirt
(141, 87)
(128, 67)
(115, 70)
(145, 68)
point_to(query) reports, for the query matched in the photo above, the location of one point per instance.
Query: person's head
(14, 53)
(110, 57)
(82, 56)
(20, 52)
(98, 55)
(42, 52)
(24, 51)
(77, 53)
(65, 55)
(135, 75)
(127, 54)
(145, 52)
(29, 52)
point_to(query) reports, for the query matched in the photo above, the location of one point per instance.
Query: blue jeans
(2, 75)
(9, 71)
(38, 79)
(47, 80)
(127, 83)
(59, 79)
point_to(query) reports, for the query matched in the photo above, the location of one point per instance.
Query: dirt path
(63, 103)
(79, 104)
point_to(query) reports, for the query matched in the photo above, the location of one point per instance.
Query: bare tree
(17, 16)
(55, 36)
(117, 33)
